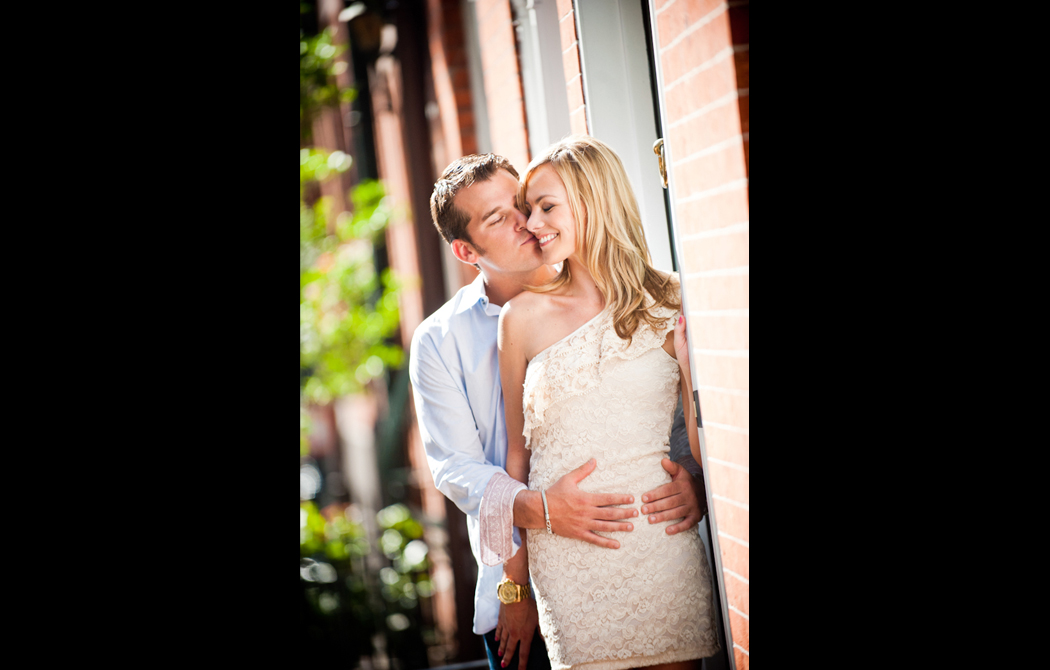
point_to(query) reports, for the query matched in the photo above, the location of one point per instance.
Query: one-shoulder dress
(593, 394)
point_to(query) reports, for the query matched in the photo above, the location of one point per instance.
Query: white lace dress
(650, 601)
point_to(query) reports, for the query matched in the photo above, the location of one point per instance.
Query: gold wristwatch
(509, 593)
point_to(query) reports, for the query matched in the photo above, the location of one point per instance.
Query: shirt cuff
(497, 518)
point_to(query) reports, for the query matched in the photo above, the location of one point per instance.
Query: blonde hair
(609, 234)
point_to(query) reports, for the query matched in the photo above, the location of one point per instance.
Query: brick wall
(448, 60)
(570, 56)
(703, 50)
(453, 133)
(505, 100)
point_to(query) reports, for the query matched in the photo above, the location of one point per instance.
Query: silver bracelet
(546, 513)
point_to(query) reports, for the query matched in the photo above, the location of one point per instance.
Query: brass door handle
(658, 149)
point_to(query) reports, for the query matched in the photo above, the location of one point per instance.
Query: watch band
(509, 592)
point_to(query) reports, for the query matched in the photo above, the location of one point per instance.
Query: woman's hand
(515, 630)
(681, 343)
(681, 351)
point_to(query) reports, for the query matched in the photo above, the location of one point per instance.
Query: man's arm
(684, 497)
(680, 452)
(674, 501)
(449, 433)
(575, 513)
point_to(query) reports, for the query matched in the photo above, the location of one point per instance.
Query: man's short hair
(450, 221)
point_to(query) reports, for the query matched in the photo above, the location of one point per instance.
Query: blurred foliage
(337, 599)
(354, 595)
(347, 310)
(344, 602)
(401, 542)
(318, 67)
(338, 538)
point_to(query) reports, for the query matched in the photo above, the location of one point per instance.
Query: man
(459, 404)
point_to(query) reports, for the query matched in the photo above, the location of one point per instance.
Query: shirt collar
(477, 295)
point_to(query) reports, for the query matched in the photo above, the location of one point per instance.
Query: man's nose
(520, 221)
(532, 223)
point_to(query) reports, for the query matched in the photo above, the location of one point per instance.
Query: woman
(591, 366)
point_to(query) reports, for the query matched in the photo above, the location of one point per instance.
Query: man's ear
(464, 252)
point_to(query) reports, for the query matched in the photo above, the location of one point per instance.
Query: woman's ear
(465, 252)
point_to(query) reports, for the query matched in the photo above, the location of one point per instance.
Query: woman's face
(550, 219)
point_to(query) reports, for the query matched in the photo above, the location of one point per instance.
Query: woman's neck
(500, 288)
(581, 285)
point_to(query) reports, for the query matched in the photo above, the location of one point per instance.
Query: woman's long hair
(609, 234)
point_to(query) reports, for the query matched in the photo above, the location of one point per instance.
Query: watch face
(507, 593)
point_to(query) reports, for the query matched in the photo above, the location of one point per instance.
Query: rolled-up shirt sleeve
(450, 435)
(499, 540)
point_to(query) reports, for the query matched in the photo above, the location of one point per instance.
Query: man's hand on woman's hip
(578, 514)
(683, 498)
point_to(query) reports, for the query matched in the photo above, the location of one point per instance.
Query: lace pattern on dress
(496, 519)
(651, 601)
(567, 369)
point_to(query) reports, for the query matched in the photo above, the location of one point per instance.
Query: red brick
(570, 60)
(671, 23)
(717, 252)
(727, 445)
(743, 661)
(732, 520)
(706, 172)
(575, 94)
(506, 111)
(720, 332)
(735, 556)
(700, 132)
(672, 60)
(731, 483)
(491, 9)
(567, 27)
(738, 594)
(502, 81)
(715, 211)
(564, 7)
(740, 627)
(578, 121)
(700, 89)
(730, 372)
(727, 409)
(718, 293)
(696, 48)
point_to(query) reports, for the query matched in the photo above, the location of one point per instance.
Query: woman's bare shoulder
(525, 305)
(521, 321)
(519, 312)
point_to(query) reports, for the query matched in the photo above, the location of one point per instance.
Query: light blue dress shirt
(454, 368)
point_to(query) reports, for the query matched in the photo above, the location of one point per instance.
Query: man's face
(502, 243)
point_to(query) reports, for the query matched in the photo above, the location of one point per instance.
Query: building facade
(447, 78)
